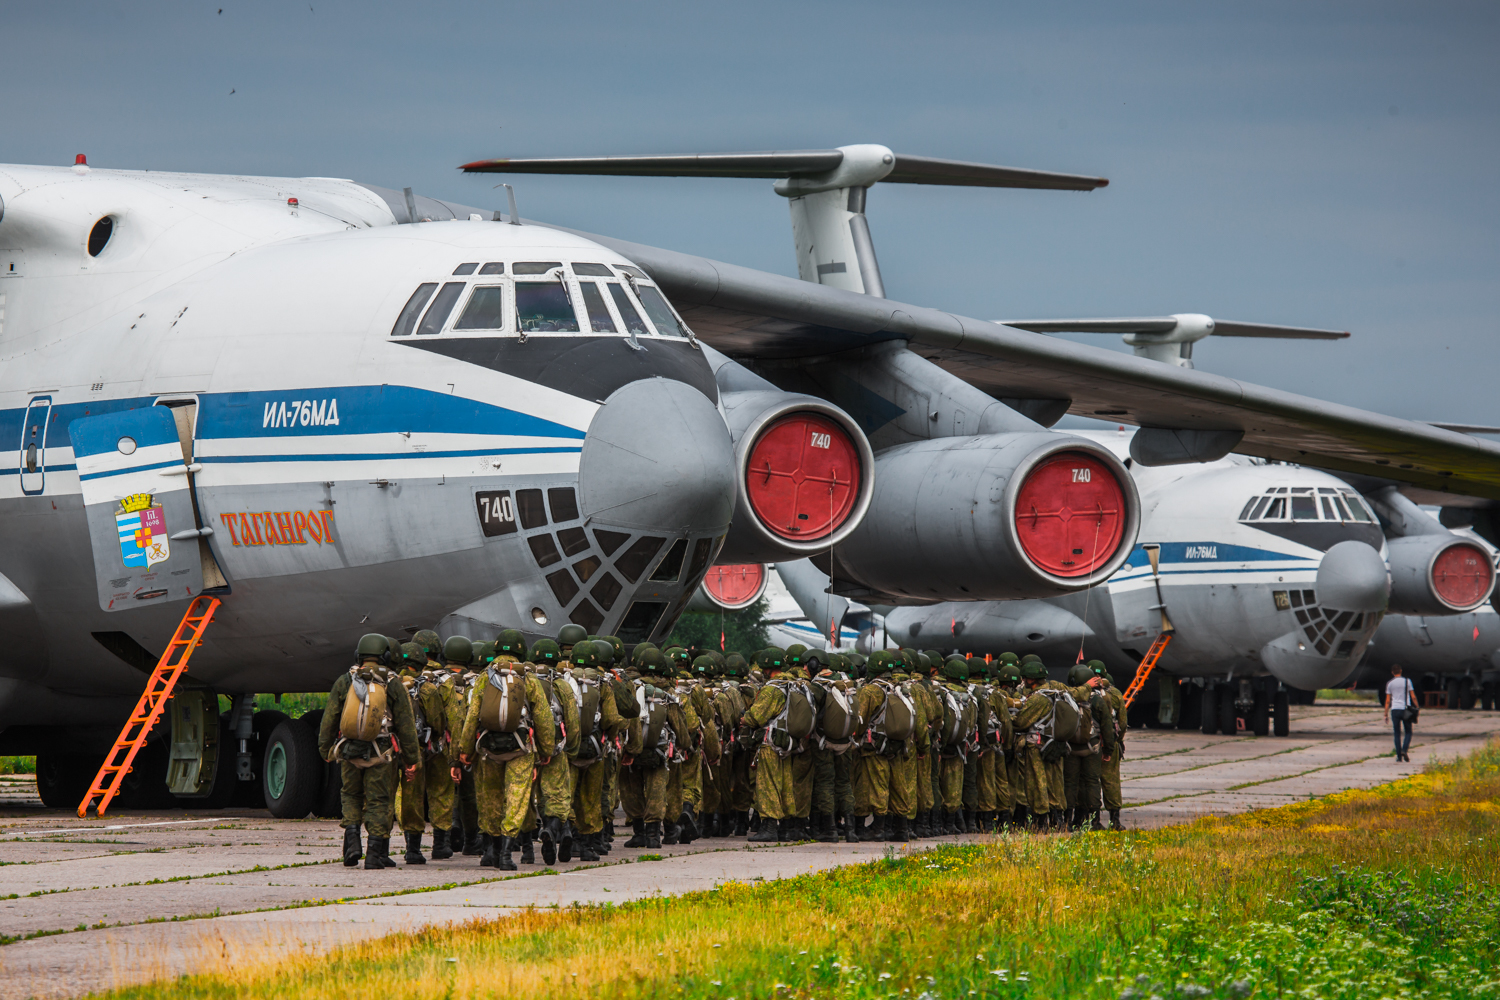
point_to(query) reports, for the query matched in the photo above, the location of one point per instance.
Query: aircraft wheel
(1191, 716)
(62, 780)
(1209, 710)
(1487, 697)
(1227, 714)
(1260, 715)
(251, 794)
(291, 771)
(1282, 712)
(1455, 689)
(330, 803)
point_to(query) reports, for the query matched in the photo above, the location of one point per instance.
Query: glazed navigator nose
(658, 458)
(1332, 633)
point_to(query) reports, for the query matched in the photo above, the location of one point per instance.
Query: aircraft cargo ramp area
(137, 896)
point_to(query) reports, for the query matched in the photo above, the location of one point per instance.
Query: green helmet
(617, 648)
(652, 662)
(546, 651)
(480, 657)
(585, 654)
(393, 649)
(795, 649)
(956, 669)
(771, 658)
(1031, 658)
(413, 655)
(924, 663)
(510, 642)
(977, 666)
(428, 640)
(1032, 670)
(934, 657)
(1009, 658)
(836, 662)
(879, 663)
(1010, 672)
(735, 665)
(906, 655)
(608, 654)
(571, 635)
(704, 666)
(458, 649)
(1080, 674)
(372, 644)
(854, 659)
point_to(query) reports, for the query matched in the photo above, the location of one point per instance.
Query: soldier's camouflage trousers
(466, 804)
(643, 793)
(413, 816)
(1033, 790)
(994, 782)
(833, 781)
(611, 793)
(971, 782)
(692, 780)
(1056, 787)
(904, 774)
(555, 786)
(588, 797)
(1110, 780)
(439, 781)
(951, 782)
(742, 782)
(777, 781)
(1081, 781)
(716, 783)
(930, 783)
(503, 791)
(368, 796)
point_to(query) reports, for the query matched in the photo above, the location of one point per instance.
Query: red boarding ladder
(1143, 671)
(153, 700)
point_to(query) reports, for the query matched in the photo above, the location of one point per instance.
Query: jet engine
(805, 475)
(991, 517)
(1438, 574)
(731, 588)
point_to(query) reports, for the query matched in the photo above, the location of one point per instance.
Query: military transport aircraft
(348, 409)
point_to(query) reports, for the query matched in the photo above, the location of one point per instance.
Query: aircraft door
(139, 505)
(33, 455)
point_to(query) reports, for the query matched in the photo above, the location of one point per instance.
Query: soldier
(954, 745)
(599, 723)
(881, 706)
(1110, 778)
(568, 636)
(906, 768)
(665, 725)
(440, 788)
(742, 772)
(1008, 697)
(699, 798)
(837, 724)
(773, 730)
(729, 708)
(929, 818)
(366, 723)
(993, 727)
(554, 782)
(1082, 772)
(1035, 711)
(508, 730)
(417, 803)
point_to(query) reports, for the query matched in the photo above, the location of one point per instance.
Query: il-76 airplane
(347, 409)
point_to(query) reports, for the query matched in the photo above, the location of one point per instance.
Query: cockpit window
(485, 311)
(413, 309)
(634, 272)
(535, 266)
(593, 270)
(661, 314)
(1277, 510)
(544, 307)
(465, 268)
(1305, 504)
(633, 322)
(1357, 508)
(593, 303)
(1304, 508)
(493, 267)
(442, 305)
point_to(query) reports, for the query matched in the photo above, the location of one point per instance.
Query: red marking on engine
(735, 586)
(803, 476)
(1461, 575)
(1070, 514)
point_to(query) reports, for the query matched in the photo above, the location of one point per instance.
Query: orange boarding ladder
(153, 700)
(1143, 671)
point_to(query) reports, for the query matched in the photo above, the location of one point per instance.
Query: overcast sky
(1312, 164)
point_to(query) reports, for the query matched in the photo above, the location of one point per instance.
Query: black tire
(291, 771)
(1208, 719)
(1468, 695)
(1191, 716)
(1487, 698)
(1455, 690)
(1227, 712)
(1282, 712)
(62, 780)
(330, 803)
(252, 794)
(1260, 715)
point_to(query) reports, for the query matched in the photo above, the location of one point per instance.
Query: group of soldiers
(501, 745)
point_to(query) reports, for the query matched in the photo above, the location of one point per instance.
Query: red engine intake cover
(735, 586)
(802, 476)
(1070, 514)
(1461, 575)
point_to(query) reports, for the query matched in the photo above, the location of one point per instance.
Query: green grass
(17, 765)
(293, 704)
(1347, 694)
(1383, 893)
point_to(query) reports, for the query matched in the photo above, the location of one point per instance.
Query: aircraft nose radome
(1353, 577)
(658, 458)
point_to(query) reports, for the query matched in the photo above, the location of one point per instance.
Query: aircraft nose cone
(658, 459)
(1353, 577)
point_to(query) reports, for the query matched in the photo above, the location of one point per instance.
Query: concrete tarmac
(92, 904)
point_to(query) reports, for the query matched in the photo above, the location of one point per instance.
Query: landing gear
(1191, 716)
(292, 771)
(1281, 713)
(1209, 709)
(1260, 711)
(1228, 715)
(1487, 696)
(1460, 693)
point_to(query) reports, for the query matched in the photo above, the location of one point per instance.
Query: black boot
(414, 850)
(1094, 823)
(669, 834)
(742, 824)
(585, 845)
(473, 846)
(503, 860)
(601, 843)
(1114, 820)
(609, 832)
(1018, 817)
(528, 856)
(551, 834)
(953, 825)
(352, 851)
(1059, 821)
(823, 831)
(639, 840)
(922, 825)
(491, 854)
(456, 834)
(876, 829)
(377, 856)
(653, 835)
(851, 828)
(440, 849)
(689, 825)
(565, 845)
(899, 830)
(765, 832)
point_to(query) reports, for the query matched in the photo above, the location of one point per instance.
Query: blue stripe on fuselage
(1210, 554)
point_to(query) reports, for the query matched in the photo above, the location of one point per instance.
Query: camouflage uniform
(1034, 787)
(369, 781)
(779, 771)
(503, 766)
(1110, 778)
(643, 783)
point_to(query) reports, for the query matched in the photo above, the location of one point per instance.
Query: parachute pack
(797, 718)
(960, 720)
(658, 737)
(1060, 724)
(837, 720)
(364, 714)
(590, 719)
(502, 702)
(895, 721)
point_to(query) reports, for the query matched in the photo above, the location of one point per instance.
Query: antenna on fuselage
(826, 190)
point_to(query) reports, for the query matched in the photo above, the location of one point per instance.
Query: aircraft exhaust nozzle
(730, 587)
(1352, 592)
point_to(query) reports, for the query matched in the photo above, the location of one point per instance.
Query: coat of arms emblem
(143, 531)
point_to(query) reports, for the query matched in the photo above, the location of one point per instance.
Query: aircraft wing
(751, 314)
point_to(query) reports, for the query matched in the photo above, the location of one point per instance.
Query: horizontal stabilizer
(1167, 324)
(791, 163)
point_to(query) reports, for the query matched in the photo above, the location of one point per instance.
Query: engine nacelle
(730, 588)
(1438, 574)
(992, 517)
(805, 475)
